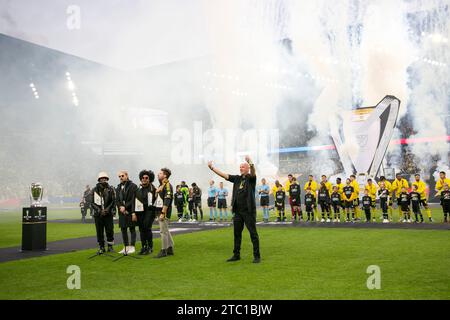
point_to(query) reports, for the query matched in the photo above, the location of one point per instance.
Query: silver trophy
(36, 192)
(362, 139)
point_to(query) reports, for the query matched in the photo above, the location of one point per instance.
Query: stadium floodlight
(364, 135)
(71, 85)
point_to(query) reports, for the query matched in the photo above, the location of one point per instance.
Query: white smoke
(429, 100)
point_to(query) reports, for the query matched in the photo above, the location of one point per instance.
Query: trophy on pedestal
(34, 221)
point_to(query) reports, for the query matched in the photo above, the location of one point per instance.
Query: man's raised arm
(217, 171)
(252, 166)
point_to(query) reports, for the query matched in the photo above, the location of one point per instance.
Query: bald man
(243, 206)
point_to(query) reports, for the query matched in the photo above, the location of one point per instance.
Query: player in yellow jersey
(372, 193)
(421, 188)
(355, 186)
(327, 183)
(440, 183)
(340, 190)
(396, 187)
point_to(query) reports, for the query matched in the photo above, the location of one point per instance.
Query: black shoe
(170, 251)
(110, 248)
(144, 250)
(162, 254)
(101, 250)
(150, 249)
(234, 258)
(256, 259)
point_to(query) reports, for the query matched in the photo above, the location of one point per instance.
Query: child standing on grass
(415, 203)
(367, 205)
(336, 202)
(280, 197)
(383, 195)
(445, 202)
(179, 203)
(310, 202)
(404, 201)
(348, 195)
(324, 201)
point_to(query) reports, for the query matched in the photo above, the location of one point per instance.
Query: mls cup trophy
(34, 221)
(36, 192)
(364, 135)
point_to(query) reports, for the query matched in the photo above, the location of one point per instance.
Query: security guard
(103, 201)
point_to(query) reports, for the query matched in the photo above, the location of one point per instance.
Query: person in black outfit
(415, 203)
(310, 204)
(85, 204)
(179, 202)
(103, 200)
(197, 195)
(367, 205)
(280, 198)
(125, 192)
(144, 210)
(243, 205)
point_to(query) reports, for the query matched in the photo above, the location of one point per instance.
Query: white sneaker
(385, 221)
(404, 220)
(323, 220)
(123, 250)
(190, 220)
(409, 220)
(328, 220)
(180, 220)
(131, 249)
(193, 220)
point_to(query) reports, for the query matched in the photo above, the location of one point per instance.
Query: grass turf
(296, 264)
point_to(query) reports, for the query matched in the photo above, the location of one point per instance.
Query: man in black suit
(243, 206)
(126, 192)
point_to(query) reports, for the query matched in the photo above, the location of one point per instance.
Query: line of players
(188, 202)
(344, 198)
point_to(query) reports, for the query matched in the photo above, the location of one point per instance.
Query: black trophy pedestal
(34, 228)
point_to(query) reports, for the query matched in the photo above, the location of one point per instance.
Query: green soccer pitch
(297, 263)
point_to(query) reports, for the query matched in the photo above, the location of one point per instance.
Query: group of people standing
(136, 206)
(345, 198)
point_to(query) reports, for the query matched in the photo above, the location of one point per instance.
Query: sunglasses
(145, 178)
(122, 176)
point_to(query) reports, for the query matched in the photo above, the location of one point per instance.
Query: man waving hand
(243, 205)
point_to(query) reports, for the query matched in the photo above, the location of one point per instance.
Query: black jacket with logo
(107, 197)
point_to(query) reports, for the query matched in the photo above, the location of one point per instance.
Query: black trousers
(249, 220)
(104, 224)
(145, 223)
(126, 241)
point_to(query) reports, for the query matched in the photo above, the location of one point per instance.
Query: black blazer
(126, 197)
(250, 185)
